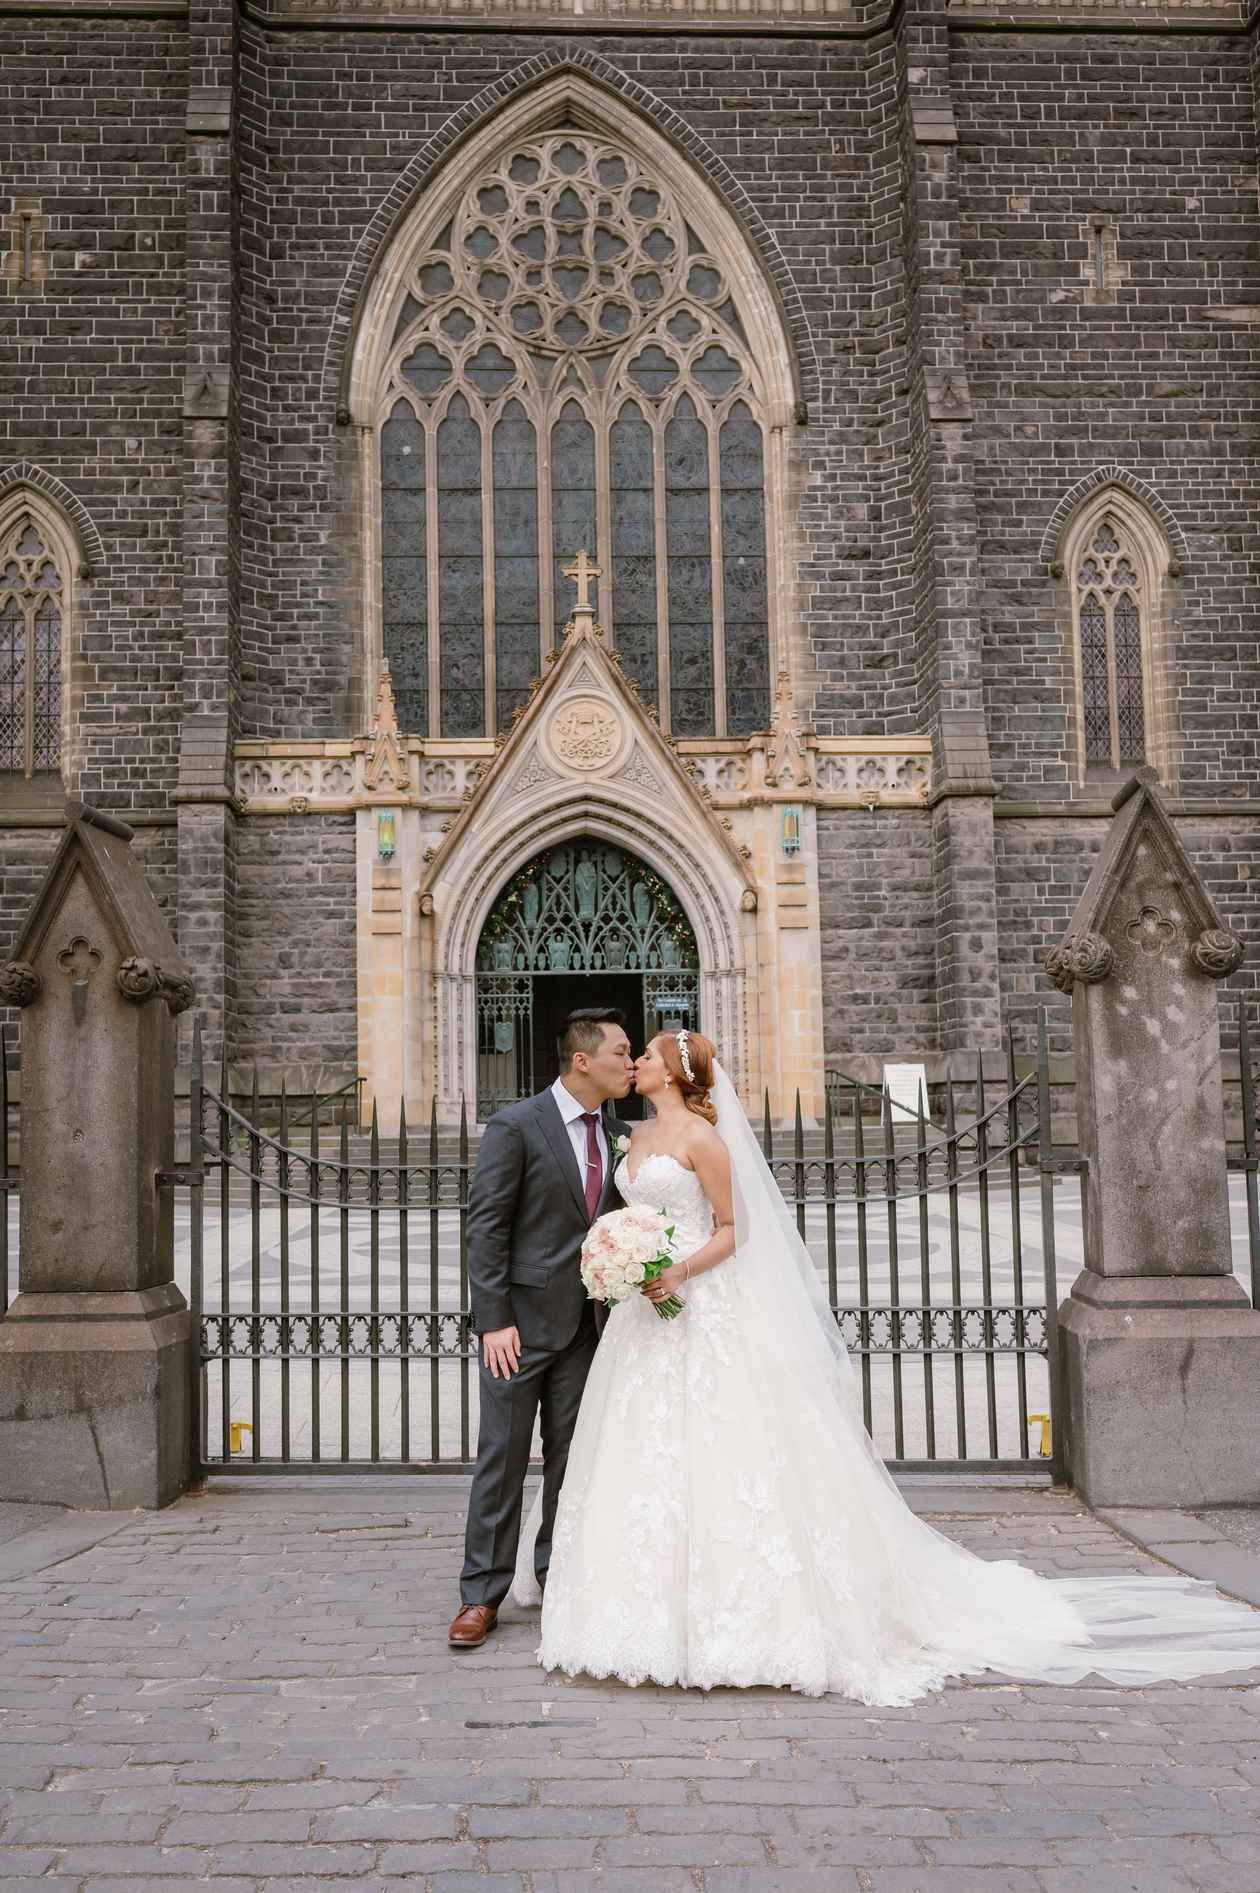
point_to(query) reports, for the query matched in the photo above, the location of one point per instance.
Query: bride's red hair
(701, 1056)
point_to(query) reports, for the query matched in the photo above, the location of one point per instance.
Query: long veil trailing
(869, 1600)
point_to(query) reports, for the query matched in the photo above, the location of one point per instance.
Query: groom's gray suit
(527, 1221)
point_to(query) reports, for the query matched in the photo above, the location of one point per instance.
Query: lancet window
(1109, 609)
(569, 368)
(32, 592)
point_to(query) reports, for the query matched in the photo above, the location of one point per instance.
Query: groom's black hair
(582, 1031)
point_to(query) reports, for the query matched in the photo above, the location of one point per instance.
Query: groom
(544, 1173)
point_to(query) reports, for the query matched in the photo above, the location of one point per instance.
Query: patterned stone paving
(253, 1691)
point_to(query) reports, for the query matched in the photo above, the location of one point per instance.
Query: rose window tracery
(569, 368)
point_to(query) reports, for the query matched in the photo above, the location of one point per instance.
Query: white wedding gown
(725, 1519)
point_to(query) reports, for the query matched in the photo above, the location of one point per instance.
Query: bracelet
(687, 1268)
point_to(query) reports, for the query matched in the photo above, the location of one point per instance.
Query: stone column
(1160, 1347)
(96, 1355)
(963, 842)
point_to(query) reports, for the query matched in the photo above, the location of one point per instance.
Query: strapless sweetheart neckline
(656, 1156)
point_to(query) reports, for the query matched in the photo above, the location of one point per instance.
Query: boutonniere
(621, 1145)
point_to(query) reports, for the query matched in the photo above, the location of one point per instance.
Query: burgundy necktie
(594, 1164)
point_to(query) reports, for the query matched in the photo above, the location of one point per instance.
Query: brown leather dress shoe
(473, 1624)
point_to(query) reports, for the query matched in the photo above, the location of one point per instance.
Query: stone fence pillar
(96, 1353)
(1160, 1347)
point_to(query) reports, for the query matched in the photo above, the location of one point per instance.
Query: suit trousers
(548, 1384)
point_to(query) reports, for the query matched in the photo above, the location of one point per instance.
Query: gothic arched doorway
(582, 924)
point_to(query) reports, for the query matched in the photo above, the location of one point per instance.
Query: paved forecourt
(253, 1692)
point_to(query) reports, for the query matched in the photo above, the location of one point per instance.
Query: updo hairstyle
(701, 1055)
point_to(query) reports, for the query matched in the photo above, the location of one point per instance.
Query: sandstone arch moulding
(710, 891)
(1118, 479)
(543, 789)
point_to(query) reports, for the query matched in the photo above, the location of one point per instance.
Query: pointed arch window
(32, 606)
(1116, 564)
(569, 367)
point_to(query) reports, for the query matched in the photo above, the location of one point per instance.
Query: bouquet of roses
(625, 1249)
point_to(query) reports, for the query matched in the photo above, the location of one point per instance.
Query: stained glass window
(1109, 609)
(570, 369)
(31, 596)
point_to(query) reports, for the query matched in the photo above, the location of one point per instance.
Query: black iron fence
(330, 1282)
(328, 1266)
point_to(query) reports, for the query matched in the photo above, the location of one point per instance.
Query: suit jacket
(527, 1221)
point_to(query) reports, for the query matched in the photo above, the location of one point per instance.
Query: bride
(725, 1518)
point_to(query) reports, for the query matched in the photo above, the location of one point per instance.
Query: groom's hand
(501, 1352)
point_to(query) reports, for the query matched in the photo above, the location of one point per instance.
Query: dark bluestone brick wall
(297, 994)
(1157, 136)
(92, 366)
(878, 939)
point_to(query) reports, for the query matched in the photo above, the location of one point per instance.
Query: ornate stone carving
(585, 733)
(532, 774)
(386, 766)
(787, 759)
(1217, 952)
(299, 804)
(1150, 931)
(178, 991)
(1086, 957)
(639, 773)
(20, 984)
(748, 899)
(139, 979)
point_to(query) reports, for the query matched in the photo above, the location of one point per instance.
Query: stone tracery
(569, 367)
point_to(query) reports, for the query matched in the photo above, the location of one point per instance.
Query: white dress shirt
(572, 1112)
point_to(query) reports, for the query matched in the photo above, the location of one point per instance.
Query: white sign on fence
(902, 1083)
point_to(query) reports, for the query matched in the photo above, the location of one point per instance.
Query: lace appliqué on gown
(724, 1521)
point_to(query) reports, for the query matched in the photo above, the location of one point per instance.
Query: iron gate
(585, 909)
(330, 1278)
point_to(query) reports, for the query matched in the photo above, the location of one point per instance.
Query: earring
(668, 1082)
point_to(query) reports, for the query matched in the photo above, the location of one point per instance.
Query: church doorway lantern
(582, 924)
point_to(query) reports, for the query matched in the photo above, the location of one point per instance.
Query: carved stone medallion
(585, 733)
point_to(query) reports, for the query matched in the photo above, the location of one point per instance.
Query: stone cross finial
(386, 714)
(582, 570)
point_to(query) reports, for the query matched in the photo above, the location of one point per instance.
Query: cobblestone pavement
(253, 1691)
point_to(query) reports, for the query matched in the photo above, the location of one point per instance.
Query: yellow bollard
(1044, 1448)
(237, 1428)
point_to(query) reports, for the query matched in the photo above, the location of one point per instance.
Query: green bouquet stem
(672, 1306)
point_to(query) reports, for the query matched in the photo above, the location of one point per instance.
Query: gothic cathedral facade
(696, 504)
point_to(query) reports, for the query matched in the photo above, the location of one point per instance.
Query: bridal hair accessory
(686, 1060)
